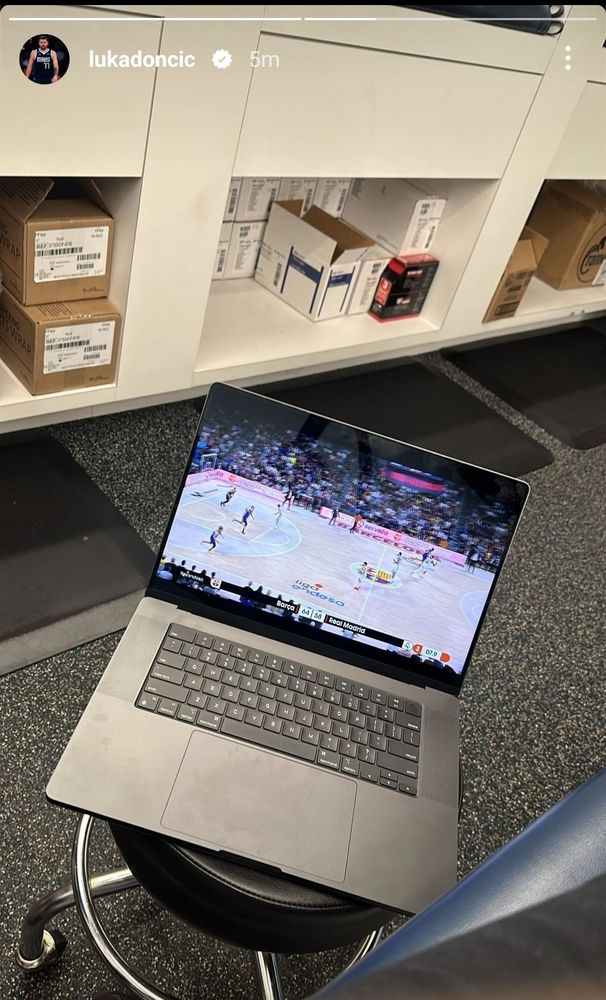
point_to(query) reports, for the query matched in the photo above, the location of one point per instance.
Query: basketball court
(312, 562)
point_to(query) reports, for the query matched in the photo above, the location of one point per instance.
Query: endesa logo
(315, 590)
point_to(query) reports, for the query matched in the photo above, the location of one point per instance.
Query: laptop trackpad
(252, 802)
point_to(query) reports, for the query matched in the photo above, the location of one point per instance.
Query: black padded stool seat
(241, 905)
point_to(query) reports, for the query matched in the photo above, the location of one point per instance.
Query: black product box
(403, 287)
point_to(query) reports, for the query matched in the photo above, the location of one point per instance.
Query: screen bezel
(302, 635)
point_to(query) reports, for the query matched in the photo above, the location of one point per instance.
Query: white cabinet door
(323, 109)
(582, 151)
(92, 122)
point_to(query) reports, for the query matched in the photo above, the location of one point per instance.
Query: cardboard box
(298, 189)
(55, 240)
(222, 251)
(330, 194)
(231, 203)
(403, 287)
(244, 248)
(62, 345)
(573, 219)
(368, 277)
(310, 262)
(520, 268)
(400, 215)
(257, 195)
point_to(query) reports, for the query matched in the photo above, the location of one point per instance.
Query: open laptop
(287, 690)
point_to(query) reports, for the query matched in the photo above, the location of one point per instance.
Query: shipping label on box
(400, 215)
(61, 254)
(367, 279)
(298, 189)
(231, 203)
(330, 194)
(244, 246)
(222, 251)
(65, 238)
(257, 195)
(79, 345)
(310, 262)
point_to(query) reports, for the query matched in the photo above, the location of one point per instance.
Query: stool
(264, 913)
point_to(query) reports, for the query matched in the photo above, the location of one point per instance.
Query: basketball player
(335, 514)
(43, 66)
(214, 538)
(429, 566)
(361, 571)
(278, 515)
(228, 496)
(248, 513)
(288, 499)
(355, 524)
(419, 568)
(396, 565)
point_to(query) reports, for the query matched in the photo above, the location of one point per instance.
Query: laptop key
(253, 718)
(164, 690)
(303, 702)
(280, 680)
(350, 766)
(320, 707)
(411, 722)
(369, 773)
(304, 718)
(339, 714)
(366, 755)
(266, 690)
(310, 736)
(203, 639)
(348, 749)
(235, 712)
(273, 724)
(249, 700)
(208, 720)
(326, 680)
(173, 645)
(309, 674)
(182, 632)
(322, 725)
(193, 683)
(409, 737)
(173, 660)
(268, 706)
(244, 668)
(377, 742)
(256, 656)
(240, 652)
(230, 678)
(386, 715)
(293, 670)
(262, 673)
(351, 702)
(286, 712)
(413, 708)
(212, 689)
(407, 786)
(398, 764)
(216, 706)
(212, 672)
(341, 729)
(375, 726)
(292, 730)
(296, 684)
(148, 701)
(208, 656)
(368, 708)
(168, 674)
(274, 662)
(361, 691)
(284, 696)
(193, 667)
(226, 662)
(332, 697)
(357, 720)
(388, 782)
(221, 645)
(197, 700)
(329, 742)
(328, 759)
(190, 649)
(378, 697)
(396, 702)
(343, 685)
(230, 694)
(167, 707)
(187, 714)
(359, 736)
(265, 738)
(393, 732)
(248, 684)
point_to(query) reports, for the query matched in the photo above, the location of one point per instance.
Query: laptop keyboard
(207, 681)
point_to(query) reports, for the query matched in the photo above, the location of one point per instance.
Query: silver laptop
(287, 690)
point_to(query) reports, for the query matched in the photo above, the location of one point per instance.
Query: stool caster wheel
(54, 944)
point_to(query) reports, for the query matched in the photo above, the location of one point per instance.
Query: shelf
(543, 305)
(249, 333)
(16, 403)
(582, 151)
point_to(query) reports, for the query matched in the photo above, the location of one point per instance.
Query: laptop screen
(331, 532)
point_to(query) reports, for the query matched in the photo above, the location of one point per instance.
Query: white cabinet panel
(92, 122)
(336, 110)
(582, 151)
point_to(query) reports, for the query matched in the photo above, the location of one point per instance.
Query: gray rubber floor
(532, 725)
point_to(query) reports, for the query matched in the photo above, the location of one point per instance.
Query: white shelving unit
(489, 113)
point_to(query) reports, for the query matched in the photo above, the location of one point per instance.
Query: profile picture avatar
(44, 59)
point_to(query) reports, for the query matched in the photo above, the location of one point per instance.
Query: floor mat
(558, 380)
(65, 550)
(413, 404)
